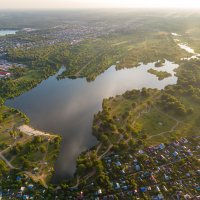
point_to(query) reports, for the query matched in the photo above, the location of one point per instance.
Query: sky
(67, 4)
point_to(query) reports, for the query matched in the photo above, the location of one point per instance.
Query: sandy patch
(32, 132)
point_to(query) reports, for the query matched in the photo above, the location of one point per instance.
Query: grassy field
(155, 122)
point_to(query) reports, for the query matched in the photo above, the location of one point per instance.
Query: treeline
(41, 62)
(10, 88)
(40, 57)
(188, 85)
(171, 103)
(25, 153)
(92, 57)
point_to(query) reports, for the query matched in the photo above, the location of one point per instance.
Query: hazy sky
(41, 4)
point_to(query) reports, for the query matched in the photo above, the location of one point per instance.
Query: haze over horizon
(83, 4)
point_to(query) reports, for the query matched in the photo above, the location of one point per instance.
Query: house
(198, 188)
(135, 191)
(123, 171)
(179, 194)
(187, 196)
(116, 186)
(143, 189)
(118, 164)
(161, 146)
(157, 189)
(30, 186)
(141, 152)
(36, 169)
(135, 161)
(188, 174)
(4, 74)
(99, 192)
(22, 189)
(80, 195)
(149, 188)
(165, 189)
(176, 144)
(175, 153)
(137, 167)
(153, 178)
(189, 152)
(125, 187)
(158, 197)
(18, 178)
(25, 197)
(19, 195)
(184, 140)
(162, 157)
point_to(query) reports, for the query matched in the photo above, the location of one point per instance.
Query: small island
(160, 74)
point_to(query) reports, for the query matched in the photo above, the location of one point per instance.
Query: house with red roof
(4, 74)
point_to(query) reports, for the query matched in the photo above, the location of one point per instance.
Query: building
(4, 74)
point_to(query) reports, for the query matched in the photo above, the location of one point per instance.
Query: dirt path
(171, 130)
(36, 178)
(6, 161)
(105, 152)
(162, 133)
(77, 183)
(79, 72)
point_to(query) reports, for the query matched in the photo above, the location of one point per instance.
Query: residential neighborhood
(165, 171)
(6, 66)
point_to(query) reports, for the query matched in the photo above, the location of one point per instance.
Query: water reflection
(189, 50)
(185, 47)
(67, 106)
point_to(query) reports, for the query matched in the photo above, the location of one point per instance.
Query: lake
(7, 32)
(67, 106)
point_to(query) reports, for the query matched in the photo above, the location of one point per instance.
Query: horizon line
(101, 8)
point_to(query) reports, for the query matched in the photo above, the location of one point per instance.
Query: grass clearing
(156, 122)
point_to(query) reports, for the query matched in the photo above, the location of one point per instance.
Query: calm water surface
(185, 47)
(67, 106)
(7, 32)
